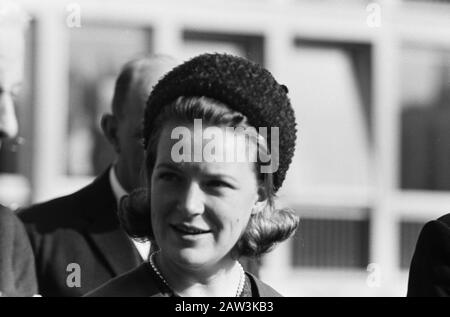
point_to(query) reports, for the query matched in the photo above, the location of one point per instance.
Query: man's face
(129, 136)
(11, 75)
(131, 153)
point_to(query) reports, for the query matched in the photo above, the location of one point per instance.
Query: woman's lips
(189, 230)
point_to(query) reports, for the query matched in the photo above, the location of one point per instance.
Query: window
(245, 45)
(330, 90)
(425, 138)
(409, 233)
(331, 242)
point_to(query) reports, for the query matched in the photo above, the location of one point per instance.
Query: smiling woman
(204, 214)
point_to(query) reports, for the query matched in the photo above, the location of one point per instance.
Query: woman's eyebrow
(222, 176)
(169, 166)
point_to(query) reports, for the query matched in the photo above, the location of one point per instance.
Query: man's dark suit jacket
(429, 274)
(83, 229)
(17, 275)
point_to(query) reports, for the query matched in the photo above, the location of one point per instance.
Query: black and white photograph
(224, 149)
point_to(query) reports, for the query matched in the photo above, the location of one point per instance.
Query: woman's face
(200, 209)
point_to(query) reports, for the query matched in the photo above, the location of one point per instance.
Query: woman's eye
(169, 176)
(218, 184)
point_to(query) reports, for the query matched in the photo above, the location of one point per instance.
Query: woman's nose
(8, 119)
(193, 200)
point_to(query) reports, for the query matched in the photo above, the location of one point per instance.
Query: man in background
(77, 239)
(429, 274)
(17, 275)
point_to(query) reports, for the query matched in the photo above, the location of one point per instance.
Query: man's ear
(110, 127)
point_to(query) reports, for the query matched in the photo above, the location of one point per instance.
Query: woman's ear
(262, 194)
(110, 126)
(261, 203)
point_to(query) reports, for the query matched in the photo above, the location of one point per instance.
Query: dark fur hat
(242, 85)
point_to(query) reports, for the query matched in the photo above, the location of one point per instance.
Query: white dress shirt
(118, 191)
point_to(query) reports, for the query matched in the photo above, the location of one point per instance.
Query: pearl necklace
(161, 277)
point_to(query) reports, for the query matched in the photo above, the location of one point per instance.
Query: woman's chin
(194, 255)
(191, 257)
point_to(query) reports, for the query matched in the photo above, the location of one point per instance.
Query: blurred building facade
(370, 84)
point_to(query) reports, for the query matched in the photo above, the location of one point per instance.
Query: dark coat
(17, 275)
(140, 282)
(429, 274)
(82, 229)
